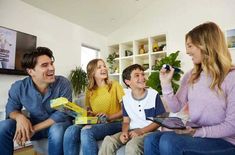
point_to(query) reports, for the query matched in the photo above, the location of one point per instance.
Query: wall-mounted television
(13, 45)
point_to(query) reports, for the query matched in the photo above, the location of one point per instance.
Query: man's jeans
(54, 134)
(87, 136)
(170, 143)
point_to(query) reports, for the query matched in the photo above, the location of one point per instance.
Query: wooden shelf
(132, 48)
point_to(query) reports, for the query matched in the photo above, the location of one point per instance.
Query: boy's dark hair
(126, 74)
(29, 59)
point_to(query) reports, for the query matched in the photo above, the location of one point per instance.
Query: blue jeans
(87, 137)
(170, 143)
(54, 134)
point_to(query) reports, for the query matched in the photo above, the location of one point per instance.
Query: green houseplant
(78, 78)
(111, 61)
(154, 81)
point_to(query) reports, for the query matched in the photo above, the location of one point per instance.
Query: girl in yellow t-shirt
(103, 98)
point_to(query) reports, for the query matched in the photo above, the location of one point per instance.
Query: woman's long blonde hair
(91, 68)
(216, 58)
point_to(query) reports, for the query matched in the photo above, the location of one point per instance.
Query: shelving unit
(139, 51)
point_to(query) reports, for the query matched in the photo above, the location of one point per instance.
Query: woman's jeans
(54, 134)
(170, 143)
(87, 136)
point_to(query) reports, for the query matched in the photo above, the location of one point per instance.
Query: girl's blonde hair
(216, 58)
(91, 68)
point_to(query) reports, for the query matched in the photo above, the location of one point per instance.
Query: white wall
(61, 36)
(176, 18)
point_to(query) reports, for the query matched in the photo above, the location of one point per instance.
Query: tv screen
(13, 45)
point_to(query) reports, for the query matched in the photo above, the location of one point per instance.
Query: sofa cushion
(41, 146)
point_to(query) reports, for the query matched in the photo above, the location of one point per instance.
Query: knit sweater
(213, 111)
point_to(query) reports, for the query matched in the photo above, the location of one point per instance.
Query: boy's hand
(136, 132)
(124, 137)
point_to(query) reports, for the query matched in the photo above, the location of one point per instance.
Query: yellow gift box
(86, 120)
(72, 109)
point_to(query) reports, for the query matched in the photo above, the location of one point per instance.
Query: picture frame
(230, 37)
(7, 48)
(13, 45)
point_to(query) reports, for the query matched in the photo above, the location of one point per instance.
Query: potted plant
(111, 61)
(78, 78)
(154, 80)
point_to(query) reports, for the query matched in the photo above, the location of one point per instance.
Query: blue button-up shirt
(24, 94)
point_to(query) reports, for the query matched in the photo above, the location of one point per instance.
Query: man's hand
(136, 132)
(124, 137)
(188, 131)
(24, 130)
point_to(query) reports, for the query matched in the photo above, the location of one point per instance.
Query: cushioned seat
(41, 146)
(222, 152)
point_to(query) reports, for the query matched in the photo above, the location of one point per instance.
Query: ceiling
(101, 16)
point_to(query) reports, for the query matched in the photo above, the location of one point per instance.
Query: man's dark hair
(126, 74)
(29, 59)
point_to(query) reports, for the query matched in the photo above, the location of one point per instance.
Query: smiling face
(193, 51)
(137, 80)
(101, 71)
(44, 71)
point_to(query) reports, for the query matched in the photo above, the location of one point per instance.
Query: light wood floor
(26, 151)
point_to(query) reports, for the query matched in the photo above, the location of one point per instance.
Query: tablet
(172, 122)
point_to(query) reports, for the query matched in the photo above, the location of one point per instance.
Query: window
(88, 53)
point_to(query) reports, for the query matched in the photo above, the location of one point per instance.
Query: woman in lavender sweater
(209, 91)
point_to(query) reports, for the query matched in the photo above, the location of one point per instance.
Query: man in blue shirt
(34, 94)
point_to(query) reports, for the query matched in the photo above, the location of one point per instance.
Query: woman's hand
(166, 76)
(90, 112)
(102, 117)
(188, 131)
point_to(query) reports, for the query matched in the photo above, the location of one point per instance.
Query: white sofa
(41, 146)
